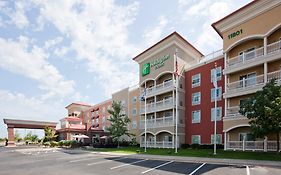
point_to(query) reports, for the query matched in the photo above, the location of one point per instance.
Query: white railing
(212, 55)
(150, 107)
(252, 145)
(157, 122)
(245, 83)
(276, 75)
(165, 103)
(274, 48)
(232, 111)
(246, 57)
(160, 87)
(157, 144)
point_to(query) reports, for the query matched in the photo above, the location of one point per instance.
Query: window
(134, 112)
(134, 124)
(103, 119)
(196, 80)
(196, 98)
(218, 141)
(246, 137)
(134, 99)
(123, 103)
(168, 114)
(219, 93)
(196, 139)
(248, 79)
(196, 116)
(219, 74)
(219, 114)
(97, 112)
(250, 53)
(97, 120)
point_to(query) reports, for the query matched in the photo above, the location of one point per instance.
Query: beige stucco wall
(257, 43)
(274, 66)
(122, 95)
(134, 105)
(275, 36)
(227, 124)
(236, 100)
(259, 25)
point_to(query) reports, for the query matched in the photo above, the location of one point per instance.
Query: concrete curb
(199, 159)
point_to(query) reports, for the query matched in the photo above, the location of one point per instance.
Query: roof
(174, 33)
(233, 13)
(79, 103)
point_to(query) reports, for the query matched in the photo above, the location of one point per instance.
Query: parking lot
(31, 161)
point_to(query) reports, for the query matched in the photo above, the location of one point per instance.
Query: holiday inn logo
(145, 69)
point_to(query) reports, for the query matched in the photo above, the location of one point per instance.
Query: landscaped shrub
(61, 143)
(67, 143)
(74, 144)
(53, 143)
(47, 144)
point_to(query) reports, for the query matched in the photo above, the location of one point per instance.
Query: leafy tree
(50, 134)
(31, 137)
(17, 136)
(263, 110)
(119, 122)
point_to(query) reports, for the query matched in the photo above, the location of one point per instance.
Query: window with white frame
(134, 99)
(134, 124)
(196, 116)
(134, 111)
(219, 139)
(196, 79)
(219, 74)
(97, 120)
(213, 93)
(196, 98)
(219, 114)
(196, 139)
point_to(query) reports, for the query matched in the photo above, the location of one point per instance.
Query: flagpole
(215, 128)
(176, 74)
(145, 120)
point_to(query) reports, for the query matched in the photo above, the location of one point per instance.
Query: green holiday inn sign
(157, 63)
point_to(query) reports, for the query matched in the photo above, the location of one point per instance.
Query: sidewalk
(199, 159)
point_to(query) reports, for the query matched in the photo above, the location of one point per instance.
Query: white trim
(236, 126)
(163, 131)
(146, 133)
(146, 80)
(243, 40)
(163, 73)
(273, 30)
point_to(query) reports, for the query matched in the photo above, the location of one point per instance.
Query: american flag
(176, 66)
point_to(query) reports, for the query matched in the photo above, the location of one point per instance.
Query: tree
(50, 134)
(119, 122)
(17, 136)
(263, 110)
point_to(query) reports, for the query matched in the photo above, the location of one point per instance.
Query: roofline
(236, 11)
(76, 103)
(174, 33)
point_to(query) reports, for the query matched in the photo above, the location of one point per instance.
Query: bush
(61, 143)
(66, 143)
(205, 146)
(53, 143)
(47, 144)
(74, 144)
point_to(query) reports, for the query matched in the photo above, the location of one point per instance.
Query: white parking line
(194, 171)
(95, 163)
(80, 160)
(128, 164)
(157, 167)
(247, 170)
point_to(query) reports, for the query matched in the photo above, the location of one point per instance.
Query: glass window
(196, 116)
(103, 119)
(219, 114)
(97, 120)
(134, 112)
(196, 98)
(134, 100)
(196, 139)
(196, 80)
(219, 93)
(134, 124)
(246, 137)
(219, 74)
(219, 141)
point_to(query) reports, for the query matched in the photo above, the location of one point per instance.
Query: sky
(55, 52)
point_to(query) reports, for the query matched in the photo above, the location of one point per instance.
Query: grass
(208, 153)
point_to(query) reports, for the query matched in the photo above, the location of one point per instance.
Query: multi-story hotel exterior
(251, 44)
(250, 57)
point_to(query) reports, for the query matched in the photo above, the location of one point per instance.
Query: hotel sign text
(157, 63)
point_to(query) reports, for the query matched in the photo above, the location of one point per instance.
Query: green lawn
(196, 153)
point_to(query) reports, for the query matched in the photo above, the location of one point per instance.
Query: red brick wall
(206, 127)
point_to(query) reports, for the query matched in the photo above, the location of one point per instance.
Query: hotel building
(251, 44)
(250, 57)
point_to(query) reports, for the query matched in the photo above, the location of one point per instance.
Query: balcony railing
(252, 145)
(274, 48)
(157, 144)
(232, 111)
(158, 122)
(246, 57)
(274, 75)
(245, 83)
(158, 106)
(160, 87)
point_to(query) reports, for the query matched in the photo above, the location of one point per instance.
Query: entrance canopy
(26, 124)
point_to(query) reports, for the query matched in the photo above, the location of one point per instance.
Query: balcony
(157, 122)
(158, 106)
(232, 113)
(253, 58)
(244, 86)
(160, 88)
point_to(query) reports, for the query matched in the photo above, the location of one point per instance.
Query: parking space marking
(95, 163)
(128, 164)
(194, 171)
(151, 169)
(247, 170)
(88, 158)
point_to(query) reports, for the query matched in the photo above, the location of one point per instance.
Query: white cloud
(53, 42)
(153, 34)
(98, 33)
(31, 61)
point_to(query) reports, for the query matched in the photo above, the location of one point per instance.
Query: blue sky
(53, 53)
